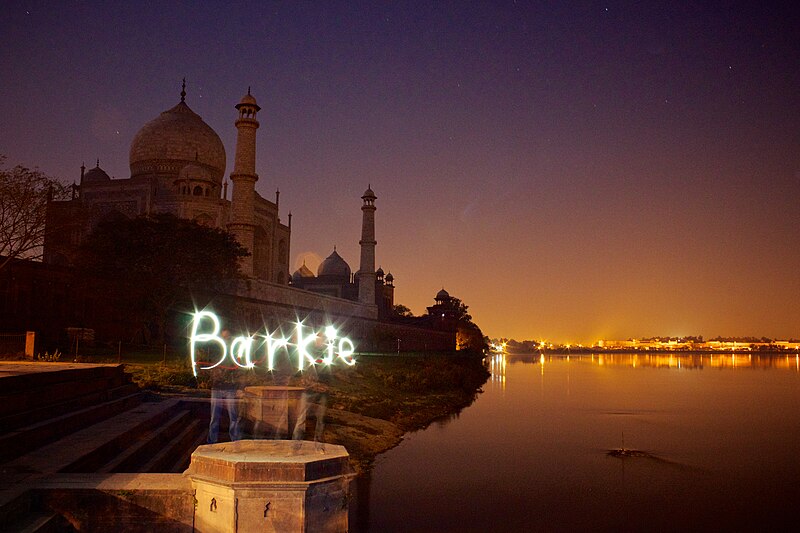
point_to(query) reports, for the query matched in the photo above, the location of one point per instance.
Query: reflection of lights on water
(497, 369)
(694, 361)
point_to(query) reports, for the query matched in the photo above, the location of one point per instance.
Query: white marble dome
(334, 266)
(174, 139)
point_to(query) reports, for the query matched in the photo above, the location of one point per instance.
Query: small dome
(368, 193)
(334, 265)
(302, 272)
(248, 99)
(195, 172)
(96, 174)
(389, 277)
(379, 272)
(174, 139)
(442, 295)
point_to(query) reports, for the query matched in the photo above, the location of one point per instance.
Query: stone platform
(284, 485)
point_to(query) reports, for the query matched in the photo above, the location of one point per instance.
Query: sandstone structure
(270, 486)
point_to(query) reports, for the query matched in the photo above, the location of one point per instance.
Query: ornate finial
(183, 90)
(334, 247)
(98, 162)
(248, 90)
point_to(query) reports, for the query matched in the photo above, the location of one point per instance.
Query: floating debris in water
(626, 452)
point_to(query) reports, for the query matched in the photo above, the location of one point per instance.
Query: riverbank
(370, 405)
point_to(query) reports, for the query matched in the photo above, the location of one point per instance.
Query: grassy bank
(370, 405)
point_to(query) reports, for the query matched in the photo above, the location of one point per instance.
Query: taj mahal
(177, 166)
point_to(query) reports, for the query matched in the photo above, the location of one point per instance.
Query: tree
(402, 310)
(468, 335)
(24, 194)
(151, 263)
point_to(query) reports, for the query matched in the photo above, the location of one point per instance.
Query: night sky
(571, 170)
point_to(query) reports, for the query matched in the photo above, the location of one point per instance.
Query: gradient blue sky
(571, 170)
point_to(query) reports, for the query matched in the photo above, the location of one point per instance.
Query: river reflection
(677, 361)
(721, 449)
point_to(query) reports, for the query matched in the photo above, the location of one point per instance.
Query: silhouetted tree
(150, 264)
(24, 194)
(468, 335)
(402, 310)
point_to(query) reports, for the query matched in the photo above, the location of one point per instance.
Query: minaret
(244, 179)
(366, 272)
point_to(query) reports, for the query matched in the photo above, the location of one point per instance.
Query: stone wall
(283, 296)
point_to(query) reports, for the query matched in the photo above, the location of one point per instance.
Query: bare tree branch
(24, 194)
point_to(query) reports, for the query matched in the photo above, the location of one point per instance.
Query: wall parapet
(299, 299)
(259, 300)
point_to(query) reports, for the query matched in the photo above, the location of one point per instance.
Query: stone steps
(43, 522)
(23, 514)
(61, 420)
(20, 441)
(30, 416)
(41, 402)
(147, 445)
(110, 438)
(182, 464)
(56, 383)
(157, 436)
(174, 455)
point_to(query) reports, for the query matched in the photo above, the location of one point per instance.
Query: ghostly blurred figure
(312, 398)
(224, 387)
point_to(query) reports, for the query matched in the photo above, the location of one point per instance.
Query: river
(716, 440)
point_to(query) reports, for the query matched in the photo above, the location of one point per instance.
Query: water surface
(720, 436)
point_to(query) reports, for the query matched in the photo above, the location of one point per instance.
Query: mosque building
(334, 277)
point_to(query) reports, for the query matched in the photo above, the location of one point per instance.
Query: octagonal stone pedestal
(270, 485)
